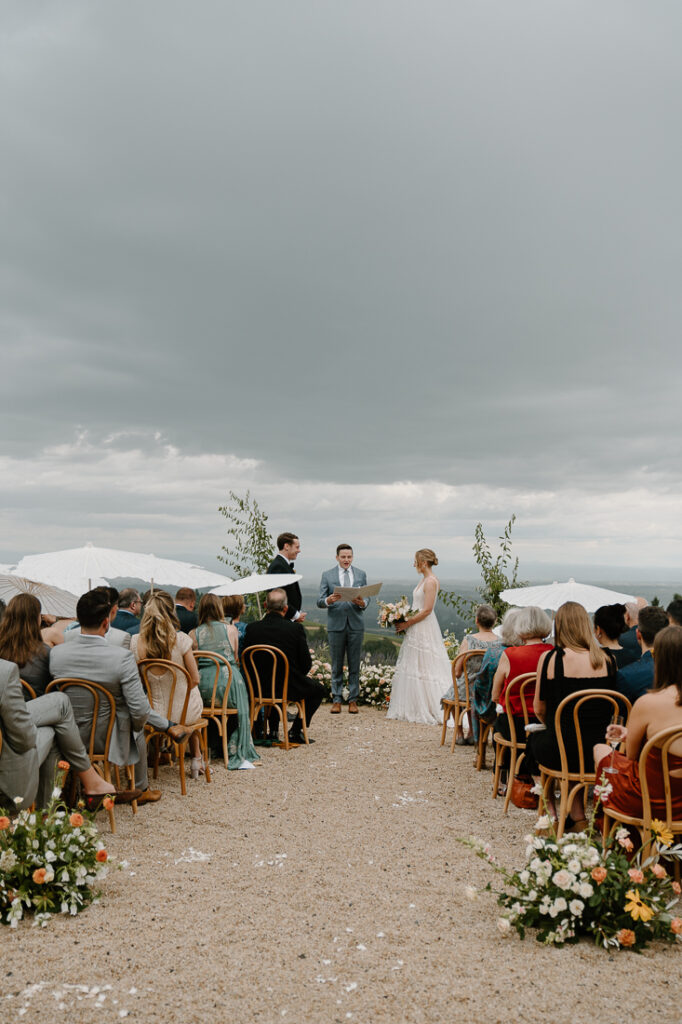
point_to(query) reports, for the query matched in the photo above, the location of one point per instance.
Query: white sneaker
(244, 765)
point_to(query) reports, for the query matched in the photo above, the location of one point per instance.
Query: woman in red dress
(658, 709)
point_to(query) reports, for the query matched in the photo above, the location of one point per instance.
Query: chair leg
(112, 820)
(301, 708)
(444, 730)
(180, 747)
(498, 769)
(203, 745)
(130, 775)
(224, 739)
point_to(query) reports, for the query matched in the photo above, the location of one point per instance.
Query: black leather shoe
(299, 738)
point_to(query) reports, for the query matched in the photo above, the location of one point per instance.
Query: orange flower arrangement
(76, 819)
(101, 856)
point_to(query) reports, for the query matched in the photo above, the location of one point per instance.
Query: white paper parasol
(553, 595)
(53, 601)
(256, 583)
(81, 569)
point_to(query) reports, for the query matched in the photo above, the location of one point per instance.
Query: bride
(423, 672)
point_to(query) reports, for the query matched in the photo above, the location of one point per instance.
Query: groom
(345, 626)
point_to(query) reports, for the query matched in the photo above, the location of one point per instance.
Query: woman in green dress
(215, 635)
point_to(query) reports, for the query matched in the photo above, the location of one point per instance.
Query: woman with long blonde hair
(160, 637)
(576, 662)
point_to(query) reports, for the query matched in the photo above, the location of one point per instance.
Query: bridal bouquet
(49, 860)
(391, 613)
(579, 885)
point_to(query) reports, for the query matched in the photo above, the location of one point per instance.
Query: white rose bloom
(569, 848)
(574, 866)
(586, 890)
(50, 856)
(471, 892)
(560, 904)
(18, 800)
(543, 822)
(503, 925)
(532, 896)
(524, 877)
(564, 879)
(576, 907)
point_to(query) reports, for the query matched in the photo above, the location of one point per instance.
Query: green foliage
(250, 547)
(498, 574)
(655, 602)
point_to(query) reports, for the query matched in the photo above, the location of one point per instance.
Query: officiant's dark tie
(291, 566)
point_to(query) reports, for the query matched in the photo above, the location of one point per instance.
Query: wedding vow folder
(350, 593)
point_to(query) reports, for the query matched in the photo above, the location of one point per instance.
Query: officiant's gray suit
(91, 657)
(345, 629)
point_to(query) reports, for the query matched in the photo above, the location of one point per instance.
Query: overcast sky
(394, 266)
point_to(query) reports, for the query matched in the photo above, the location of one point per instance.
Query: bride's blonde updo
(426, 555)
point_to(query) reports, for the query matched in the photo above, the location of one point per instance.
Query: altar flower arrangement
(375, 680)
(50, 861)
(451, 644)
(393, 612)
(581, 886)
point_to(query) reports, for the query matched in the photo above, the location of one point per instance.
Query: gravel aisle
(327, 887)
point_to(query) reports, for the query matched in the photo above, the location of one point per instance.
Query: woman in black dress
(575, 663)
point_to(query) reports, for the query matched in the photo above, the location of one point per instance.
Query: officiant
(345, 626)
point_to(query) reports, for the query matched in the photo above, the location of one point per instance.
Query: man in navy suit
(635, 679)
(345, 625)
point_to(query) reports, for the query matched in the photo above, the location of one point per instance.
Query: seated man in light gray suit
(89, 656)
(114, 636)
(345, 626)
(34, 735)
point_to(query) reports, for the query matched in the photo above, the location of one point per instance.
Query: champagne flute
(613, 742)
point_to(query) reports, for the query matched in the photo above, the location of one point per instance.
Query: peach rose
(626, 937)
(4, 823)
(599, 874)
(63, 766)
(107, 803)
(39, 875)
(658, 870)
(76, 819)
(636, 875)
(101, 856)
(676, 925)
(677, 888)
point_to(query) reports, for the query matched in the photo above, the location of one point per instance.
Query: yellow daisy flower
(637, 910)
(663, 833)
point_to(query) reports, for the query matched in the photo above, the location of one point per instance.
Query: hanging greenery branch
(498, 574)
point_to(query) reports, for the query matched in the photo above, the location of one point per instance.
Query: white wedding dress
(424, 671)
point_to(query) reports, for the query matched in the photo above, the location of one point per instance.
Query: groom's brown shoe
(352, 708)
(336, 708)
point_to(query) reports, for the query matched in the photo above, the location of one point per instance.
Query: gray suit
(91, 657)
(34, 734)
(117, 637)
(345, 628)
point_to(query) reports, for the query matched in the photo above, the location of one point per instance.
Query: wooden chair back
(260, 666)
(160, 667)
(663, 739)
(30, 692)
(103, 714)
(460, 707)
(520, 686)
(220, 663)
(571, 707)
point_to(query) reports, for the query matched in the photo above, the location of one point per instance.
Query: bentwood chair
(94, 703)
(171, 674)
(30, 692)
(522, 686)
(567, 720)
(663, 740)
(456, 706)
(266, 671)
(217, 711)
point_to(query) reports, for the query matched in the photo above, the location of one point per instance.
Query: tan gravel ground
(333, 892)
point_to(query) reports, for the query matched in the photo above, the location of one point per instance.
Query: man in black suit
(288, 546)
(275, 630)
(185, 600)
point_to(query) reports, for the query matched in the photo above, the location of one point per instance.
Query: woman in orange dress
(658, 709)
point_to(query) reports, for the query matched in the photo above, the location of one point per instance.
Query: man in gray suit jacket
(34, 734)
(89, 656)
(345, 626)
